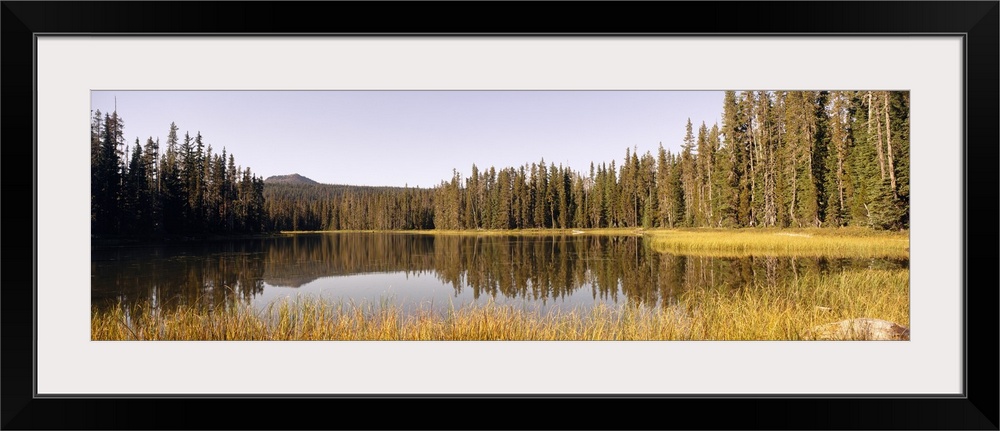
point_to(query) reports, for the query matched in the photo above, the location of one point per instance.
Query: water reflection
(576, 270)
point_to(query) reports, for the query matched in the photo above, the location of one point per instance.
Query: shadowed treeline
(536, 268)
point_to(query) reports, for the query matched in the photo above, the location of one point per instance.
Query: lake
(421, 271)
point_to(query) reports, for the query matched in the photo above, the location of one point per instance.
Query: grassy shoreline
(786, 311)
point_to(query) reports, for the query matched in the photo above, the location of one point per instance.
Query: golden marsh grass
(843, 242)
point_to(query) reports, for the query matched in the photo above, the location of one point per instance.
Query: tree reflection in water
(614, 269)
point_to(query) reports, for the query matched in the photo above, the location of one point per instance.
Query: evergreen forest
(183, 190)
(779, 159)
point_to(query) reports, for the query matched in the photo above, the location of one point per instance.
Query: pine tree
(564, 198)
(887, 132)
(676, 205)
(730, 164)
(663, 188)
(837, 209)
(611, 196)
(137, 218)
(800, 125)
(703, 177)
(505, 199)
(899, 111)
(743, 148)
(821, 145)
(230, 196)
(107, 179)
(96, 176)
(689, 175)
(539, 174)
(579, 200)
(718, 179)
(884, 210)
(647, 190)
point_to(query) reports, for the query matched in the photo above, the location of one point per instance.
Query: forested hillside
(342, 207)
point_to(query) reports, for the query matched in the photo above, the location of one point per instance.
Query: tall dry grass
(843, 242)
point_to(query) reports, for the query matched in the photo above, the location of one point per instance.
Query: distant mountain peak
(289, 179)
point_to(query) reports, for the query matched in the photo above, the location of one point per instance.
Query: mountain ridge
(289, 179)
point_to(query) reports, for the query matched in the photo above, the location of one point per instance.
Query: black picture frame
(977, 22)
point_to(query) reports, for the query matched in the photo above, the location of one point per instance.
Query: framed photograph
(936, 60)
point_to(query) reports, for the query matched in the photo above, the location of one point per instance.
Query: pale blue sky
(414, 138)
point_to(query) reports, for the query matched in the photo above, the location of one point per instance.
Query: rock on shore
(860, 329)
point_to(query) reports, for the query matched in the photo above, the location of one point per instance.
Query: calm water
(413, 271)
